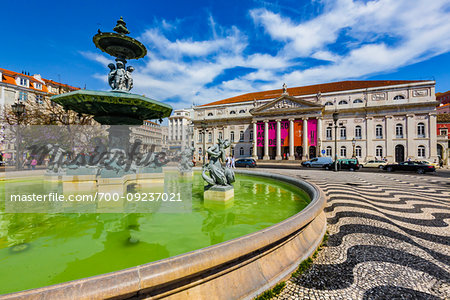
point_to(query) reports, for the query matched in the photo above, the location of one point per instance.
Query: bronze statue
(218, 174)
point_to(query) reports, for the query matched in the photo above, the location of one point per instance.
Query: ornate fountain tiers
(119, 44)
(118, 107)
(114, 108)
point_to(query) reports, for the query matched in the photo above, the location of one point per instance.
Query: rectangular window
(343, 133)
(23, 96)
(358, 133)
(329, 133)
(39, 99)
(443, 131)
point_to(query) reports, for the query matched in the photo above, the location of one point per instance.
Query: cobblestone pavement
(389, 238)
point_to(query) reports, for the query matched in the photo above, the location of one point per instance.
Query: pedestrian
(193, 160)
(27, 163)
(33, 164)
(233, 162)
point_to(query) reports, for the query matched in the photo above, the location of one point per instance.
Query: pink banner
(312, 132)
(284, 133)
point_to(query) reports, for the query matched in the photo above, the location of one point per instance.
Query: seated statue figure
(218, 174)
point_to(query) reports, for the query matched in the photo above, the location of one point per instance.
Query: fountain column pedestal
(219, 193)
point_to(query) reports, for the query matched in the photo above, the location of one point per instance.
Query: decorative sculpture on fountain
(186, 163)
(218, 174)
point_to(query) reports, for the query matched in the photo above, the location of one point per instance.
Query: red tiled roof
(312, 89)
(9, 77)
(442, 94)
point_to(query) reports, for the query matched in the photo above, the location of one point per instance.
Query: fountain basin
(249, 264)
(114, 108)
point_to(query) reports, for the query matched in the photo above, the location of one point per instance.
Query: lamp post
(354, 144)
(335, 119)
(319, 145)
(203, 125)
(18, 109)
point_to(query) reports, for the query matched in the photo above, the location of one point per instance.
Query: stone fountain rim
(158, 274)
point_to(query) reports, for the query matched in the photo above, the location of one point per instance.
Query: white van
(317, 162)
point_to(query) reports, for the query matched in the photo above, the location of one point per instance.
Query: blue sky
(202, 51)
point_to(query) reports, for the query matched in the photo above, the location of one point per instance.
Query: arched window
(329, 133)
(358, 151)
(200, 137)
(251, 135)
(358, 132)
(242, 111)
(209, 137)
(399, 131)
(328, 103)
(399, 97)
(379, 131)
(210, 114)
(241, 151)
(200, 151)
(343, 102)
(343, 133)
(241, 136)
(357, 101)
(421, 130)
(343, 151)
(220, 135)
(329, 151)
(232, 112)
(232, 136)
(421, 151)
(379, 151)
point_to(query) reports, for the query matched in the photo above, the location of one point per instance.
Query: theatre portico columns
(286, 128)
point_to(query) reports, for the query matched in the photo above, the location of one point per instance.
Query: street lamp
(319, 145)
(203, 125)
(354, 144)
(18, 109)
(335, 119)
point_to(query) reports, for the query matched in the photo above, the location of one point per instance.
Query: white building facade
(395, 120)
(180, 129)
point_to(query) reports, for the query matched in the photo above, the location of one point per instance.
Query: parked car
(245, 162)
(435, 164)
(351, 164)
(374, 164)
(317, 162)
(414, 166)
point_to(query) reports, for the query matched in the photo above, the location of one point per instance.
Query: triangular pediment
(286, 102)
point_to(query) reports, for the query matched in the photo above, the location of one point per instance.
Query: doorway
(312, 152)
(399, 153)
(299, 152)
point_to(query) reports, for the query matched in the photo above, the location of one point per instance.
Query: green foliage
(269, 294)
(306, 264)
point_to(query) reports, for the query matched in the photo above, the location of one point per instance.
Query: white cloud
(97, 57)
(350, 39)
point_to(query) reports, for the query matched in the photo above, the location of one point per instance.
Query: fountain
(117, 108)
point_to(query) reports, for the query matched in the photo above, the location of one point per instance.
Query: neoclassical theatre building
(395, 120)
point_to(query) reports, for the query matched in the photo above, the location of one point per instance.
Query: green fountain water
(42, 249)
